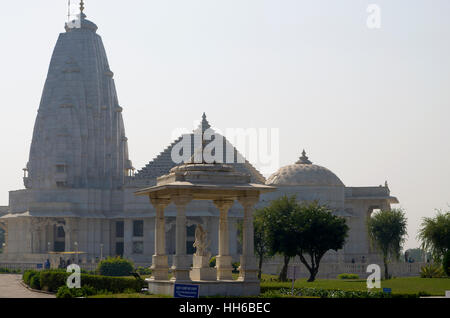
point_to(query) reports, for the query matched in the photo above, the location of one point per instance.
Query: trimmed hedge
(66, 292)
(328, 293)
(348, 276)
(10, 271)
(52, 280)
(115, 266)
(28, 275)
(112, 284)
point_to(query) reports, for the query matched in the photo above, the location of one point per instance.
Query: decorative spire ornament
(304, 159)
(81, 6)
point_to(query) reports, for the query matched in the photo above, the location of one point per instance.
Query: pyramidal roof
(163, 163)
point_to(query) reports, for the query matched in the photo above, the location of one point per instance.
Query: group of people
(363, 260)
(64, 264)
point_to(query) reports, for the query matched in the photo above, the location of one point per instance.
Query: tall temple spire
(79, 138)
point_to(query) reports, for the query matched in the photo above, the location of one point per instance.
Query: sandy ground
(10, 287)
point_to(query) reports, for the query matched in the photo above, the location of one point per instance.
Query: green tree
(434, 234)
(260, 239)
(317, 231)
(387, 231)
(446, 263)
(279, 230)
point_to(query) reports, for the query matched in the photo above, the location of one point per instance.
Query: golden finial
(82, 6)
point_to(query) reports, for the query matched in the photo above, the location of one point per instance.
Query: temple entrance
(60, 238)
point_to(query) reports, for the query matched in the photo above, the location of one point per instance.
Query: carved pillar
(223, 260)
(181, 261)
(4, 226)
(248, 270)
(160, 265)
(36, 229)
(71, 231)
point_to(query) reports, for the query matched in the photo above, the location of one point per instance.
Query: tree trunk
(261, 258)
(386, 271)
(312, 275)
(283, 274)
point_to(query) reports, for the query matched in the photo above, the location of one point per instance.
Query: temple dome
(304, 173)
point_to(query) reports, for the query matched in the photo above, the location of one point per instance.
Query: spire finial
(81, 6)
(304, 159)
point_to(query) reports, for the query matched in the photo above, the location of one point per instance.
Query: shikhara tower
(78, 161)
(79, 138)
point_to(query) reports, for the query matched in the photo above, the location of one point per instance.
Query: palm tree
(387, 231)
(435, 234)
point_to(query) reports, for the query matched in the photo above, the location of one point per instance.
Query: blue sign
(185, 291)
(387, 290)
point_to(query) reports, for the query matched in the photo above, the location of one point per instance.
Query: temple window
(138, 247)
(119, 248)
(129, 172)
(138, 228)
(119, 228)
(60, 232)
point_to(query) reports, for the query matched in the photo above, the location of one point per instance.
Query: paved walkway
(10, 287)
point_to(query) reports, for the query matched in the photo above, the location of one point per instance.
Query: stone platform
(232, 288)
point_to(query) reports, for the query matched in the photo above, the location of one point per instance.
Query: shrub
(52, 280)
(431, 271)
(144, 270)
(115, 266)
(236, 267)
(112, 284)
(446, 263)
(35, 282)
(65, 292)
(10, 271)
(348, 276)
(212, 262)
(326, 293)
(27, 275)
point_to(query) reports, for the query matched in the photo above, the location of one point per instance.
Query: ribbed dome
(304, 173)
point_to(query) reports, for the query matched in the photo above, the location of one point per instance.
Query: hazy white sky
(370, 105)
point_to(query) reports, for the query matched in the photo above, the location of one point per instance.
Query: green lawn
(405, 285)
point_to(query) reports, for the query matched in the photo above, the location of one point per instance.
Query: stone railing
(332, 270)
(40, 266)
